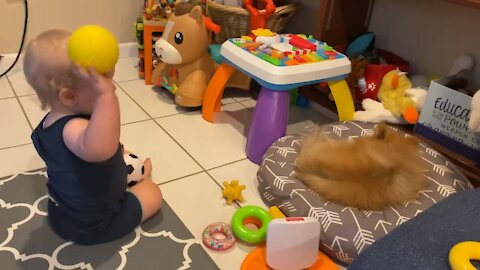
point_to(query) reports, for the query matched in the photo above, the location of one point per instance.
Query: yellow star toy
(233, 191)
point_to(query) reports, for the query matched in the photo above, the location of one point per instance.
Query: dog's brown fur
(369, 173)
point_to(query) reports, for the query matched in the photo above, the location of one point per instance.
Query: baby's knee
(157, 196)
(149, 195)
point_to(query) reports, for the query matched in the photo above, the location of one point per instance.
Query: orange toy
(259, 19)
(256, 260)
(183, 47)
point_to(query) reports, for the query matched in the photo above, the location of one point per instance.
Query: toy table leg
(212, 99)
(269, 122)
(343, 99)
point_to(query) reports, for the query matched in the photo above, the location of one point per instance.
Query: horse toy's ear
(197, 13)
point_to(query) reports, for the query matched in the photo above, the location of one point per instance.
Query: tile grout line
(134, 101)
(204, 169)
(20, 103)
(27, 95)
(15, 95)
(14, 146)
(213, 179)
(192, 174)
(189, 154)
(245, 106)
(182, 147)
(129, 80)
(168, 115)
(168, 134)
(7, 97)
(179, 178)
(221, 187)
(229, 163)
(151, 118)
(135, 122)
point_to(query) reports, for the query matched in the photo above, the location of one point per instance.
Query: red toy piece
(302, 43)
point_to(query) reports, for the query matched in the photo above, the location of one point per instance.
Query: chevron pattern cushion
(346, 232)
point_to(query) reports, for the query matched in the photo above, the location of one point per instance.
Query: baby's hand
(101, 84)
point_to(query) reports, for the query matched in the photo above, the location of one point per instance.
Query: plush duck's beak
(395, 80)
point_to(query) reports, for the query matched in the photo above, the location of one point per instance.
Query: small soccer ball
(135, 169)
(94, 46)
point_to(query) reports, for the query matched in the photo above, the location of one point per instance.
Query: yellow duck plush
(393, 97)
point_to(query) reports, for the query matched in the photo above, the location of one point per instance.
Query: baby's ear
(66, 97)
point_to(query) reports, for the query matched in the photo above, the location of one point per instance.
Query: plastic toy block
(306, 58)
(291, 62)
(260, 32)
(271, 60)
(299, 59)
(301, 42)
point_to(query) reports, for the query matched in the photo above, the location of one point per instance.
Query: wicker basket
(235, 21)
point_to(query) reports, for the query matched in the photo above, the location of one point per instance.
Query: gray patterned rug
(27, 242)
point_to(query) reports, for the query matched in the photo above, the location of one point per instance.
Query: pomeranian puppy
(369, 173)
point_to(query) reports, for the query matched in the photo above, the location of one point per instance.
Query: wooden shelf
(471, 3)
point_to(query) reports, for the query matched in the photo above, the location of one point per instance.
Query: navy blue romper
(88, 201)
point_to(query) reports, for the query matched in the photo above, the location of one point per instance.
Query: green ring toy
(246, 234)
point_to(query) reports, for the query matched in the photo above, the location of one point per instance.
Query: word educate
(446, 106)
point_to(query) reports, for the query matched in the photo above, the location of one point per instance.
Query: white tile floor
(191, 157)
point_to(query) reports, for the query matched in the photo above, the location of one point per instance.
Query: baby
(79, 141)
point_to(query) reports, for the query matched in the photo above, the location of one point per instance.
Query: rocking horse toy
(186, 66)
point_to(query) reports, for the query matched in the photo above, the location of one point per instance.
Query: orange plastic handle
(258, 19)
(211, 25)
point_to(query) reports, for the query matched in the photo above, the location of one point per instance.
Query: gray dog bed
(346, 232)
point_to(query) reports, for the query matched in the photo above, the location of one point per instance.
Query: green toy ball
(93, 46)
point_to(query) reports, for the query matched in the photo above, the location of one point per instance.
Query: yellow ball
(93, 46)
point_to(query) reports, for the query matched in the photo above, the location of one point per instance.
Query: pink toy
(212, 241)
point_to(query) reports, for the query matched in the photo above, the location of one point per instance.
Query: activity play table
(279, 67)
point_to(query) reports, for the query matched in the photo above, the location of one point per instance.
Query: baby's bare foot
(147, 164)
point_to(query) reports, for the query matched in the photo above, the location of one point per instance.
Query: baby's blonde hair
(47, 67)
